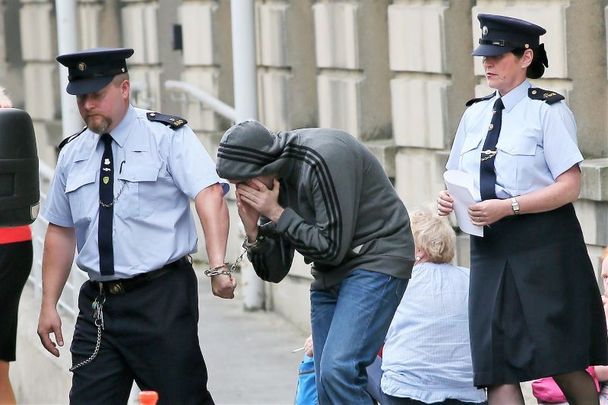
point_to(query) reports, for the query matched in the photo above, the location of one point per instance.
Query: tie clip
(487, 154)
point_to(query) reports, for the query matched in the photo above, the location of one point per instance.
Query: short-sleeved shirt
(157, 170)
(537, 142)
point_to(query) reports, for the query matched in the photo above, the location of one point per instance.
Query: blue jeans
(349, 324)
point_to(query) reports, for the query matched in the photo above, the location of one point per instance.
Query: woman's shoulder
(478, 106)
(545, 96)
(479, 99)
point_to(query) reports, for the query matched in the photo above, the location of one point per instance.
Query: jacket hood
(248, 150)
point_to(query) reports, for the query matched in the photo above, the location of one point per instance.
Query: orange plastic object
(148, 398)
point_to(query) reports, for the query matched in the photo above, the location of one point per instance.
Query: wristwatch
(514, 206)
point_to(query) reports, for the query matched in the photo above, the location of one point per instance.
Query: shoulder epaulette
(70, 139)
(476, 100)
(548, 96)
(172, 121)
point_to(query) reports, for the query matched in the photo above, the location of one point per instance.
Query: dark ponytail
(539, 61)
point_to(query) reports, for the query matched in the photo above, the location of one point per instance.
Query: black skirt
(15, 267)
(534, 304)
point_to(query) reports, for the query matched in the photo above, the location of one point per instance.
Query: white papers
(460, 187)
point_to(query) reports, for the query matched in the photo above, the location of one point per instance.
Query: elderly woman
(426, 356)
(534, 305)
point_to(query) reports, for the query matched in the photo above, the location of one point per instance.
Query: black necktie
(106, 208)
(487, 174)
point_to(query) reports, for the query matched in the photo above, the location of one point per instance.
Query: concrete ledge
(594, 185)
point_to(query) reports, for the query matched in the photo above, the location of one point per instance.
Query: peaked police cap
(91, 70)
(502, 34)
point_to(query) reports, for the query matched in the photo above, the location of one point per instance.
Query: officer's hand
(444, 203)
(489, 211)
(223, 286)
(50, 322)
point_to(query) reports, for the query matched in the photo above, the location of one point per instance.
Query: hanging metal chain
(124, 183)
(101, 298)
(98, 317)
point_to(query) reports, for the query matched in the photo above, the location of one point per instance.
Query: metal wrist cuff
(248, 246)
(216, 271)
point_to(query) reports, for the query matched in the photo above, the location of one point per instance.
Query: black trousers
(150, 336)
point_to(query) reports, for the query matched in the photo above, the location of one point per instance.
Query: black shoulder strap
(548, 96)
(476, 100)
(172, 121)
(70, 139)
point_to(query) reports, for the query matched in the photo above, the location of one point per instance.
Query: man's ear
(125, 88)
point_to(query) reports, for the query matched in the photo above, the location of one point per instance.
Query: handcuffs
(228, 268)
(97, 305)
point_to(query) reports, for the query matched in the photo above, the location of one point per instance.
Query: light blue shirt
(426, 354)
(537, 142)
(157, 171)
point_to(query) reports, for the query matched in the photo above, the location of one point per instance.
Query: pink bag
(546, 389)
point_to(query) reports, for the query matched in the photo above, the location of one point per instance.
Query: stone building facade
(395, 74)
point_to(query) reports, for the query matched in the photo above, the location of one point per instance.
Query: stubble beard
(99, 126)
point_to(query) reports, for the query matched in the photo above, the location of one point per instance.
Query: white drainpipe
(243, 59)
(246, 106)
(66, 38)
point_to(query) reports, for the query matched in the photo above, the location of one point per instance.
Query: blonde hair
(5, 102)
(434, 235)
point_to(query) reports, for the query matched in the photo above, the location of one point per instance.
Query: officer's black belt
(117, 287)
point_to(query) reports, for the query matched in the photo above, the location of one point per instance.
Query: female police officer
(534, 308)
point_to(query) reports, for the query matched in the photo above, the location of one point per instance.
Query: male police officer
(121, 195)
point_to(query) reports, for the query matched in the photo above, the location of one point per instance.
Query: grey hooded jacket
(341, 211)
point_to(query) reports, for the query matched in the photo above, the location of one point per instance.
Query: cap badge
(484, 31)
(82, 66)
